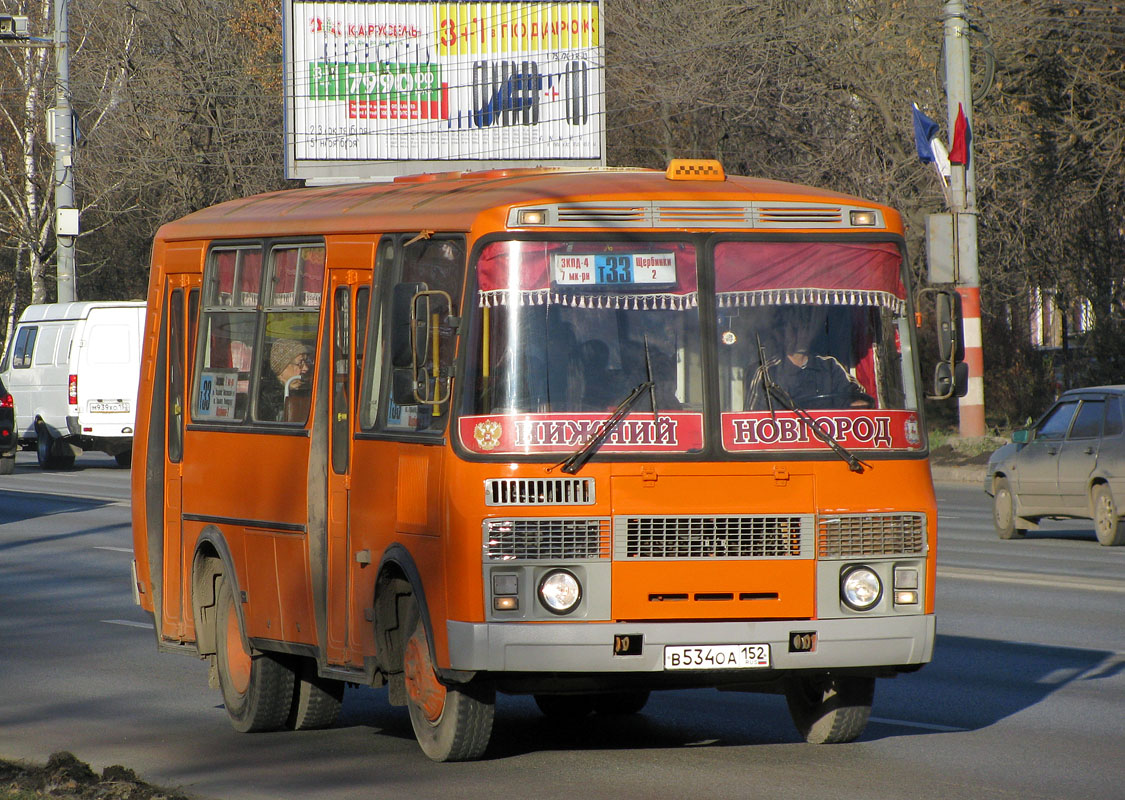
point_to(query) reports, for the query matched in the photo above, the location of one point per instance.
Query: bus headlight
(860, 588)
(560, 591)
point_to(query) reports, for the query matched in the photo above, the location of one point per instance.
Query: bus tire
(451, 723)
(1108, 525)
(620, 704)
(1004, 511)
(257, 690)
(830, 710)
(316, 700)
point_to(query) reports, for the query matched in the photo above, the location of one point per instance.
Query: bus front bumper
(854, 642)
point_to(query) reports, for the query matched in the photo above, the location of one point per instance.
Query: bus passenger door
(180, 306)
(349, 313)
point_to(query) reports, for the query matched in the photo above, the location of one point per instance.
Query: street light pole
(959, 95)
(66, 215)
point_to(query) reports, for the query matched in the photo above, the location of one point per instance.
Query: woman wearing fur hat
(291, 365)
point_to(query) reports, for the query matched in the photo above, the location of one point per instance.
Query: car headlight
(860, 588)
(560, 591)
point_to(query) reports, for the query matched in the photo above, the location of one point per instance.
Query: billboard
(379, 89)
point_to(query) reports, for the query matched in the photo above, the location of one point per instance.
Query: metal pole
(964, 206)
(66, 222)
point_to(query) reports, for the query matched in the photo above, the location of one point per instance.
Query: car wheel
(7, 464)
(1109, 528)
(52, 452)
(451, 722)
(124, 459)
(1004, 511)
(830, 710)
(45, 447)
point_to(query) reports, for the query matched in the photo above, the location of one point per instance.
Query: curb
(957, 473)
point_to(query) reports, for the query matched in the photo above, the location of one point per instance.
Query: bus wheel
(257, 690)
(451, 723)
(565, 707)
(316, 700)
(1004, 511)
(620, 704)
(830, 710)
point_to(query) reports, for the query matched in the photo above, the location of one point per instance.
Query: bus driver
(812, 381)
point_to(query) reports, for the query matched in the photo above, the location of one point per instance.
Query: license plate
(722, 656)
(108, 407)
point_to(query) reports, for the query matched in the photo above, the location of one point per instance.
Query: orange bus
(578, 434)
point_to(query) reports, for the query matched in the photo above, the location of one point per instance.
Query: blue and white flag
(928, 144)
(925, 131)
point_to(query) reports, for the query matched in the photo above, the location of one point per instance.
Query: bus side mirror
(950, 381)
(951, 337)
(951, 374)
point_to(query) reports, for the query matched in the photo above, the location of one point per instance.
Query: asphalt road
(1025, 697)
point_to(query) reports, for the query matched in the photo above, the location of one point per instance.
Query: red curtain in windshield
(747, 267)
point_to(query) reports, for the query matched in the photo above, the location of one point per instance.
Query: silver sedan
(1069, 464)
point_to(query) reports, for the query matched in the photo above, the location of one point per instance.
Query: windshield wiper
(773, 389)
(576, 460)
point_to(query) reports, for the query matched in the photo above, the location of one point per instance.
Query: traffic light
(13, 27)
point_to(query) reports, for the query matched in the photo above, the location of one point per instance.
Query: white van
(73, 369)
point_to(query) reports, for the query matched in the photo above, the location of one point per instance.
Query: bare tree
(25, 167)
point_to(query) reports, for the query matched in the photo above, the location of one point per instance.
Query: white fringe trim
(662, 301)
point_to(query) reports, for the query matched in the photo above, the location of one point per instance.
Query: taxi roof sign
(695, 169)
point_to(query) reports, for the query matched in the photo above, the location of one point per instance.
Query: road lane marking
(927, 726)
(128, 623)
(114, 549)
(1033, 579)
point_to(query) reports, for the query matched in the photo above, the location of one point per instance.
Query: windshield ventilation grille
(702, 216)
(539, 492)
(799, 217)
(871, 535)
(712, 538)
(546, 539)
(604, 214)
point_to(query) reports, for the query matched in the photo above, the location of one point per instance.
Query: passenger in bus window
(284, 395)
(811, 380)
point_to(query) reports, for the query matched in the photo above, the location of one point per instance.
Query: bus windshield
(565, 330)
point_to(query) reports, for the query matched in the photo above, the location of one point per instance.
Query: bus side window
(371, 325)
(439, 263)
(362, 302)
(232, 286)
(291, 312)
(175, 416)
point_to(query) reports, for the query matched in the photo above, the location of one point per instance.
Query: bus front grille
(539, 492)
(713, 537)
(546, 539)
(851, 536)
